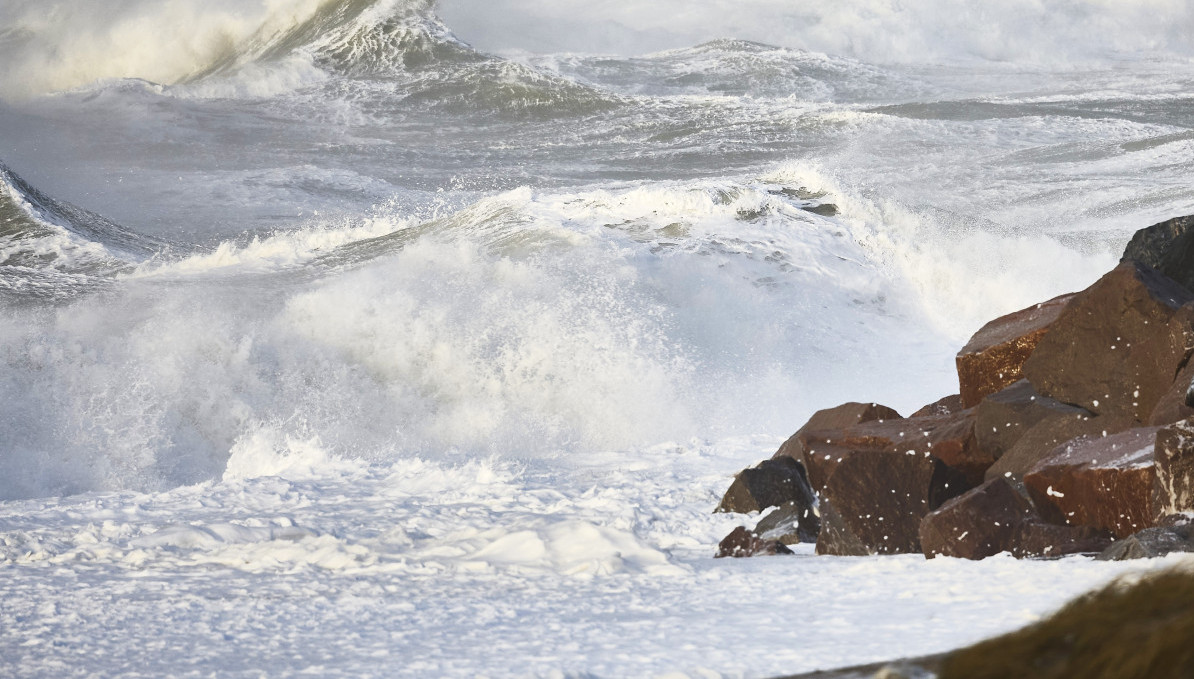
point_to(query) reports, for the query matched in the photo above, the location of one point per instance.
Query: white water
(313, 313)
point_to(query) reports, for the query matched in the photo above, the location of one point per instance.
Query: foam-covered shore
(290, 565)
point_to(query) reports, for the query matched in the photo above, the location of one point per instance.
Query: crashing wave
(50, 249)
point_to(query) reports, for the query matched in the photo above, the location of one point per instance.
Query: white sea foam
(527, 324)
(904, 31)
(602, 569)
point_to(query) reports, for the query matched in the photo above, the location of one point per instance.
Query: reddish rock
(836, 538)
(1117, 346)
(945, 406)
(1043, 438)
(1174, 459)
(769, 484)
(742, 542)
(875, 499)
(1167, 247)
(1049, 540)
(994, 356)
(977, 524)
(1003, 418)
(845, 415)
(876, 480)
(949, 438)
(1101, 482)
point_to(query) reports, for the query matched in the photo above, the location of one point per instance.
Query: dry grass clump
(1131, 629)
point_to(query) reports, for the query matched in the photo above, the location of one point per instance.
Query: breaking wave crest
(527, 324)
(51, 249)
(256, 48)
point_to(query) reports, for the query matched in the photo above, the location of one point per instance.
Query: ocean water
(319, 316)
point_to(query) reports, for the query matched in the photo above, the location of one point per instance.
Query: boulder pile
(1072, 431)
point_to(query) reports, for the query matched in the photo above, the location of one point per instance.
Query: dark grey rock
(1147, 544)
(790, 523)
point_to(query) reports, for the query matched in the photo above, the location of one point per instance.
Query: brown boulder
(1003, 418)
(840, 417)
(949, 438)
(875, 499)
(1174, 459)
(1117, 346)
(742, 542)
(994, 356)
(1103, 482)
(769, 484)
(837, 538)
(1049, 540)
(976, 524)
(876, 480)
(1043, 437)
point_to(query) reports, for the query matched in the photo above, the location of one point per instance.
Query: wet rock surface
(1102, 482)
(1043, 437)
(948, 438)
(944, 406)
(994, 357)
(977, 524)
(1116, 346)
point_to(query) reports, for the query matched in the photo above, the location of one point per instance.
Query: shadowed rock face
(1049, 540)
(837, 538)
(1174, 404)
(1167, 247)
(1117, 346)
(1103, 482)
(875, 499)
(770, 484)
(790, 523)
(1041, 438)
(1005, 417)
(980, 523)
(943, 406)
(994, 357)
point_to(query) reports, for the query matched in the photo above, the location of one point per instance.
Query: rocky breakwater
(1073, 431)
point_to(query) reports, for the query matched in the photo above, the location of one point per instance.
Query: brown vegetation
(1128, 630)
